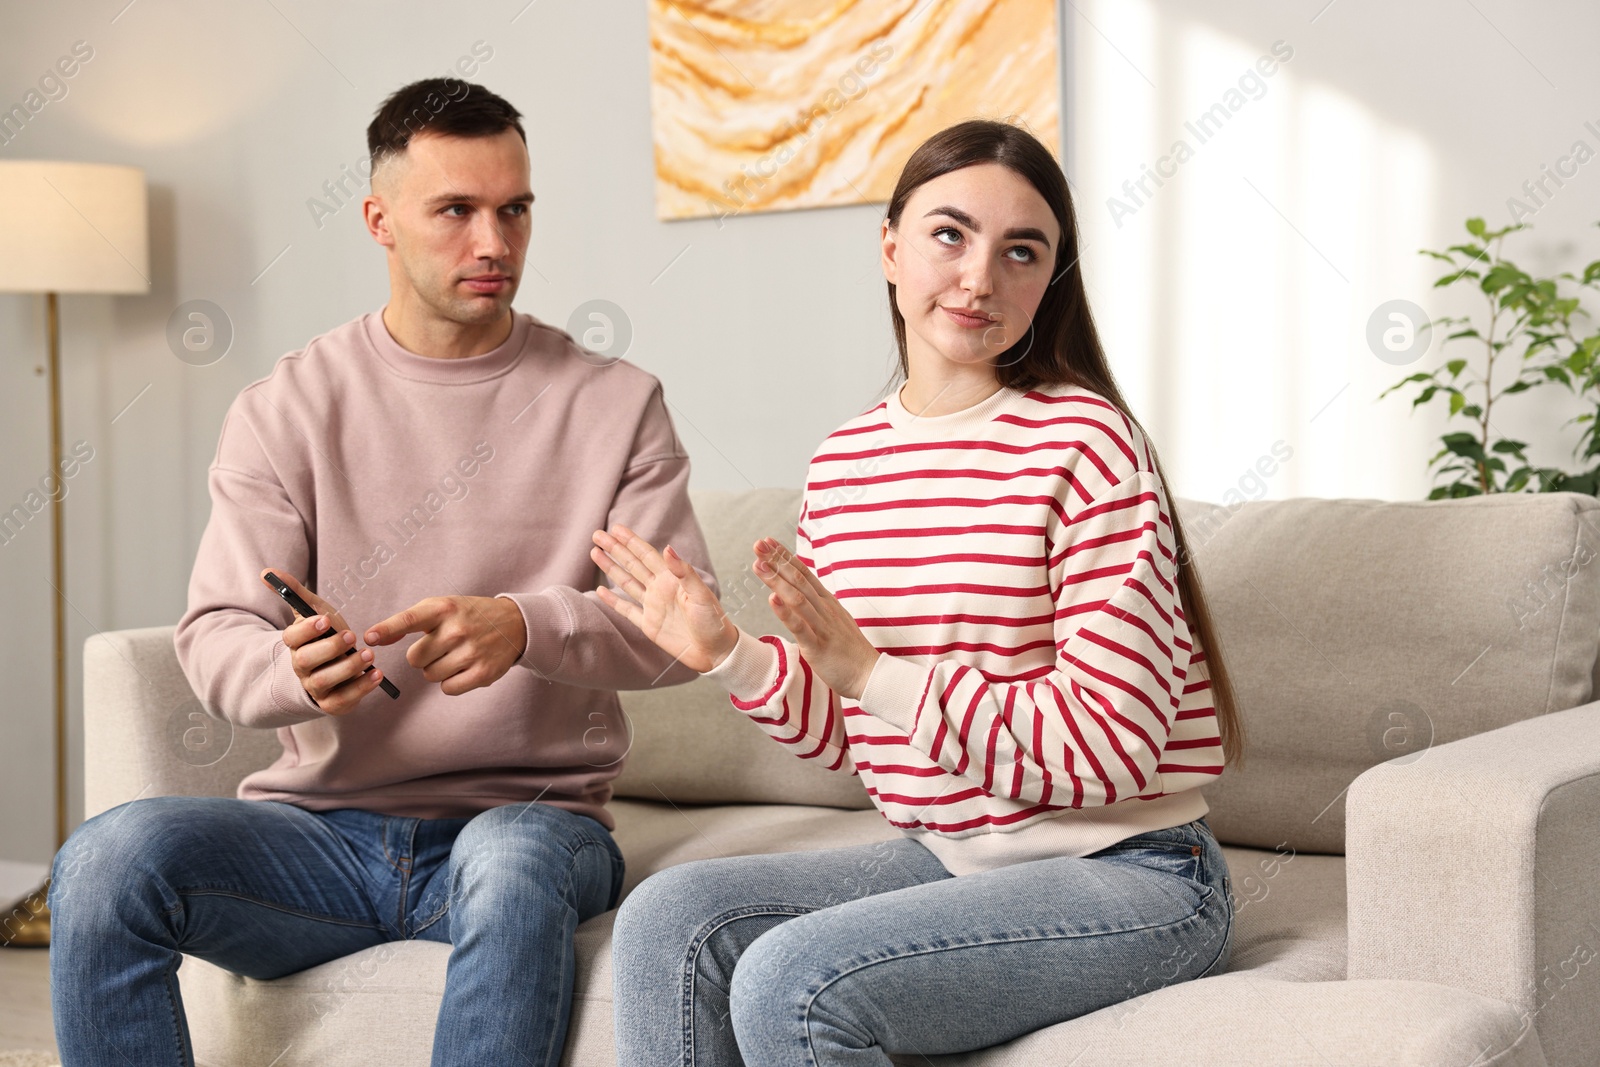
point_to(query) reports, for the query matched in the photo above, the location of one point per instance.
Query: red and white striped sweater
(1037, 691)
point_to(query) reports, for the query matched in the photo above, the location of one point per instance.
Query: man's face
(454, 212)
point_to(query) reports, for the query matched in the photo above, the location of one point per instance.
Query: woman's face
(970, 261)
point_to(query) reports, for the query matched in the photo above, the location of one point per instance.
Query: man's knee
(516, 840)
(521, 852)
(107, 861)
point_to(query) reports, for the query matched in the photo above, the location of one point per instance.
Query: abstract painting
(769, 105)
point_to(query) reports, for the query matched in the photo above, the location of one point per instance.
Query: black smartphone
(303, 609)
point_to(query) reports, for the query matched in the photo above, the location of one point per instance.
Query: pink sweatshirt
(380, 477)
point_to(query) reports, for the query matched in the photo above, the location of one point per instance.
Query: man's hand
(333, 678)
(467, 641)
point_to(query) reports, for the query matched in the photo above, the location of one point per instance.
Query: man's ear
(376, 216)
(384, 181)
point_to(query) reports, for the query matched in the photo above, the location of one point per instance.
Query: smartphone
(304, 610)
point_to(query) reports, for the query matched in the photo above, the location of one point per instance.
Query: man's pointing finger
(413, 620)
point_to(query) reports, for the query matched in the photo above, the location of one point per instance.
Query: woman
(992, 622)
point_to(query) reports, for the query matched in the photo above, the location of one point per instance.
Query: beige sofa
(1412, 841)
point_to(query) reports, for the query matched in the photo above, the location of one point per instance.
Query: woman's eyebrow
(1016, 233)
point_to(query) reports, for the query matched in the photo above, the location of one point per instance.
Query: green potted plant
(1529, 338)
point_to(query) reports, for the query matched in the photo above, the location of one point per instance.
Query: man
(436, 468)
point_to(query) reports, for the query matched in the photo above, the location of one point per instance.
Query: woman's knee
(698, 916)
(765, 996)
(797, 982)
(670, 907)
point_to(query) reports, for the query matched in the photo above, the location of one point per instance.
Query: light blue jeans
(842, 957)
(265, 889)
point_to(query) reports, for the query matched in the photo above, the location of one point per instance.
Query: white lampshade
(73, 228)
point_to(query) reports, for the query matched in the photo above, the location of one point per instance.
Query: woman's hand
(827, 634)
(675, 608)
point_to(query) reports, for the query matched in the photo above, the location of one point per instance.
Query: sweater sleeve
(1095, 727)
(574, 638)
(770, 681)
(230, 639)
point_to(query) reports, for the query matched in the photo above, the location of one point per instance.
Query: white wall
(1231, 325)
(1235, 299)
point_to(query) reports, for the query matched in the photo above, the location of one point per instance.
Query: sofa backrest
(1355, 632)
(1361, 631)
(145, 733)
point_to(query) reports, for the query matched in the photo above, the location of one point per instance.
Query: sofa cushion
(1289, 927)
(1238, 1018)
(1358, 631)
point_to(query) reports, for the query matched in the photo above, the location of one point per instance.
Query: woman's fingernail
(366, 655)
(320, 623)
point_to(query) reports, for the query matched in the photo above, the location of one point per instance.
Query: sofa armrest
(1474, 865)
(145, 732)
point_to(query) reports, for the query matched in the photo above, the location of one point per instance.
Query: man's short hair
(441, 106)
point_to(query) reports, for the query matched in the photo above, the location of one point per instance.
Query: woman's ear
(891, 249)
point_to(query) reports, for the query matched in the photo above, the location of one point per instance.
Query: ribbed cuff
(894, 691)
(751, 672)
(288, 692)
(548, 623)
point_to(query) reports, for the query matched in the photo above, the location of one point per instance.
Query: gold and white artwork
(769, 105)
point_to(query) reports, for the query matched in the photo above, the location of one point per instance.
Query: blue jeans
(846, 956)
(265, 889)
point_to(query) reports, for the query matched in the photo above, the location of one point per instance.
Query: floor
(25, 1000)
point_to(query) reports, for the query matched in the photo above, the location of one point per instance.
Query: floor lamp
(66, 228)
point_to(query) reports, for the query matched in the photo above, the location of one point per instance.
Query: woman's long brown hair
(1072, 353)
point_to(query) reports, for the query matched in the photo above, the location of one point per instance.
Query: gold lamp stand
(66, 227)
(29, 924)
